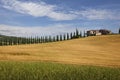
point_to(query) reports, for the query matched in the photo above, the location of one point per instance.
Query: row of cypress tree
(4, 41)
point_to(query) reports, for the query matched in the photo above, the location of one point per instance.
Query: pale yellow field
(98, 50)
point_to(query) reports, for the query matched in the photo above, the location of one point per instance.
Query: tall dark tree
(57, 38)
(84, 34)
(37, 39)
(23, 41)
(60, 37)
(50, 39)
(119, 30)
(67, 36)
(64, 37)
(74, 35)
(46, 39)
(1, 41)
(5, 42)
(28, 40)
(11, 41)
(71, 35)
(54, 39)
(77, 34)
(41, 39)
(31, 40)
(80, 34)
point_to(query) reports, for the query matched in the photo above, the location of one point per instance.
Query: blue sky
(49, 17)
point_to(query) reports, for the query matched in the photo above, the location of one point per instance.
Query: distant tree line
(5, 40)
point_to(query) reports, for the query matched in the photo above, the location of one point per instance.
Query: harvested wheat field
(97, 50)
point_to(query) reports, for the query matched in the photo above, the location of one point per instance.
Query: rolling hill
(97, 50)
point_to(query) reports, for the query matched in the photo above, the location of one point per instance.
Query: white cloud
(42, 9)
(94, 14)
(39, 9)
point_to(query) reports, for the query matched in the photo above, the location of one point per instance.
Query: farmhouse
(98, 32)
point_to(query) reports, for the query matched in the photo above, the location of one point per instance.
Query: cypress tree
(60, 37)
(13, 41)
(74, 35)
(39, 40)
(57, 38)
(22, 40)
(64, 37)
(54, 39)
(31, 40)
(4, 41)
(26, 40)
(80, 34)
(35, 40)
(43, 39)
(67, 36)
(0, 41)
(77, 34)
(16, 40)
(50, 39)
(84, 34)
(46, 39)
(9, 41)
(71, 35)
(19, 41)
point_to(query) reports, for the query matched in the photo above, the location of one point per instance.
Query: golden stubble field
(97, 50)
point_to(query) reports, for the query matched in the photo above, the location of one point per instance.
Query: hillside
(98, 50)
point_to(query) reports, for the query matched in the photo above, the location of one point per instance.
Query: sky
(51, 17)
